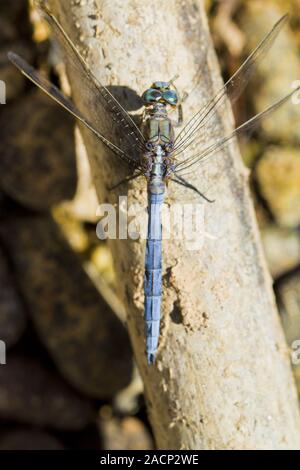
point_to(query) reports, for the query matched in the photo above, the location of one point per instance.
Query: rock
(128, 400)
(288, 294)
(37, 165)
(87, 438)
(32, 394)
(15, 81)
(276, 71)
(7, 30)
(2, 202)
(86, 340)
(13, 22)
(12, 315)
(123, 433)
(278, 176)
(29, 439)
(84, 205)
(282, 249)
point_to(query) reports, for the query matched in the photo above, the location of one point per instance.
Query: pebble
(12, 314)
(86, 340)
(29, 439)
(30, 393)
(278, 176)
(288, 295)
(128, 433)
(15, 82)
(282, 249)
(37, 165)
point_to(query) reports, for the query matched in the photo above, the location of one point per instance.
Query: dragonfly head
(161, 92)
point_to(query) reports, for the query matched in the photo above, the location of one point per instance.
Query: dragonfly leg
(179, 180)
(125, 180)
(179, 121)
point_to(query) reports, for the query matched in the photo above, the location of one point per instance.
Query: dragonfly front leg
(179, 121)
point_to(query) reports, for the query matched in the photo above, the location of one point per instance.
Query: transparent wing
(190, 134)
(189, 164)
(65, 102)
(106, 114)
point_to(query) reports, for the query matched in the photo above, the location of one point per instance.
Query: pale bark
(222, 378)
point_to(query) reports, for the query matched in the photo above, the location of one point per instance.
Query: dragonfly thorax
(158, 131)
(157, 127)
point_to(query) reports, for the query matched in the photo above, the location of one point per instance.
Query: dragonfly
(151, 149)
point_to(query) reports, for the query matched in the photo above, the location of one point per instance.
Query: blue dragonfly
(152, 150)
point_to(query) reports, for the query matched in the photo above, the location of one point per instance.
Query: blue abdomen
(153, 274)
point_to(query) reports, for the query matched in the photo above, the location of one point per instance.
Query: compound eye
(171, 97)
(151, 96)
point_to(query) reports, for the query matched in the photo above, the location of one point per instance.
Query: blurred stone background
(70, 379)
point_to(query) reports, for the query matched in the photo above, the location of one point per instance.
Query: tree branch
(222, 378)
